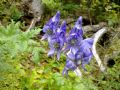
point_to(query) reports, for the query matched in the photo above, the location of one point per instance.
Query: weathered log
(37, 8)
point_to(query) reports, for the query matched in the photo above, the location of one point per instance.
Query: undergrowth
(25, 66)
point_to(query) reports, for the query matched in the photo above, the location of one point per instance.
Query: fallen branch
(97, 36)
(94, 28)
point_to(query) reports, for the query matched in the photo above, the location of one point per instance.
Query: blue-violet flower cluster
(55, 34)
(78, 50)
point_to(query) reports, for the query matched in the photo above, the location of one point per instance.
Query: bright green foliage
(52, 4)
(10, 9)
(15, 14)
(14, 46)
(106, 11)
(15, 41)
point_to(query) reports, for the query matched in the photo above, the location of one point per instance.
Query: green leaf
(36, 55)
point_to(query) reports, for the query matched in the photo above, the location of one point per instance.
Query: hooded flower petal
(61, 32)
(70, 55)
(51, 52)
(63, 27)
(51, 26)
(56, 18)
(78, 27)
(78, 58)
(73, 40)
(89, 41)
(85, 48)
(79, 21)
(57, 44)
(85, 61)
(69, 66)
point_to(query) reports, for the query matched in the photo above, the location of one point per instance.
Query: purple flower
(83, 53)
(61, 32)
(70, 65)
(79, 50)
(56, 43)
(78, 58)
(86, 46)
(75, 36)
(73, 42)
(78, 27)
(55, 46)
(86, 49)
(76, 55)
(51, 26)
(73, 57)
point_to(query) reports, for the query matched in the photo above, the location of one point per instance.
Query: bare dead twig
(33, 22)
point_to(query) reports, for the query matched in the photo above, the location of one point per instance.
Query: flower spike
(51, 26)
